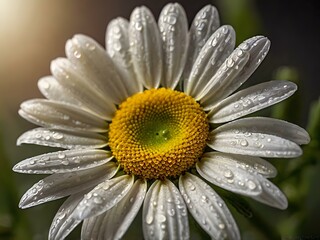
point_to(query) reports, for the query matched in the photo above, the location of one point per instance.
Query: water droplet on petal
(138, 26)
(251, 185)
(77, 54)
(61, 155)
(171, 212)
(57, 136)
(45, 85)
(97, 200)
(221, 226)
(162, 218)
(230, 62)
(244, 143)
(65, 162)
(228, 174)
(149, 219)
(241, 184)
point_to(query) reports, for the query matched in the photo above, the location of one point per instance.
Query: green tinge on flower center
(158, 133)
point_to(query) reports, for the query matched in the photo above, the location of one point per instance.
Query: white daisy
(130, 129)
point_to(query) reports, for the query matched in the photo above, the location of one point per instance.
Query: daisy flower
(150, 122)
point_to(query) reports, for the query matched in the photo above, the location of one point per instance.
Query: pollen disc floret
(158, 133)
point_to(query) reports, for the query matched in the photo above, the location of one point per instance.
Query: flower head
(147, 120)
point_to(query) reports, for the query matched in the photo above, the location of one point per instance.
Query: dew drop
(191, 186)
(230, 62)
(138, 26)
(244, 143)
(221, 226)
(233, 143)
(97, 200)
(117, 46)
(251, 185)
(149, 219)
(214, 42)
(228, 174)
(204, 198)
(61, 155)
(162, 218)
(38, 135)
(77, 54)
(239, 53)
(45, 158)
(245, 46)
(241, 184)
(91, 47)
(163, 226)
(57, 136)
(45, 85)
(62, 216)
(65, 162)
(171, 212)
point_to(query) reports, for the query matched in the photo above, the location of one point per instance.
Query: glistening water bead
(158, 133)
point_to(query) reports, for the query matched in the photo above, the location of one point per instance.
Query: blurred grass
(13, 224)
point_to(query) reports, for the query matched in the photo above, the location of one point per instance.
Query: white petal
(250, 100)
(92, 227)
(205, 23)
(53, 90)
(223, 78)
(272, 196)
(272, 126)
(63, 161)
(257, 48)
(91, 60)
(78, 90)
(60, 185)
(118, 48)
(207, 208)
(104, 196)
(248, 163)
(258, 136)
(63, 139)
(224, 171)
(145, 47)
(212, 55)
(173, 25)
(117, 220)
(164, 213)
(64, 222)
(57, 115)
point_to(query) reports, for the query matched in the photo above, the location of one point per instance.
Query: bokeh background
(33, 32)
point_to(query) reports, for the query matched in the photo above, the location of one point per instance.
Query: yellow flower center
(158, 133)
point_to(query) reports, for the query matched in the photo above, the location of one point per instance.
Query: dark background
(34, 32)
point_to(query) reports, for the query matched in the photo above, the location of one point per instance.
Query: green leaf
(290, 109)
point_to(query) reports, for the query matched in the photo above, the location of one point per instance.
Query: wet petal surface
(208, 208)
(164, 214)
